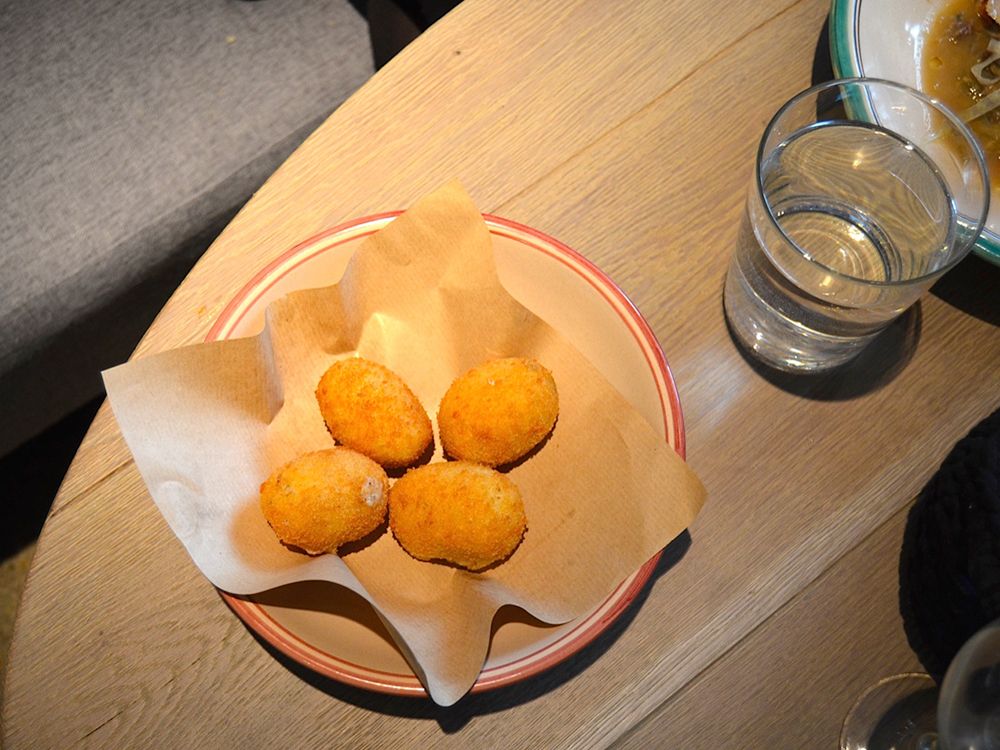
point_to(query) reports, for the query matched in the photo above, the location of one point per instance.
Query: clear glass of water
(865, 192)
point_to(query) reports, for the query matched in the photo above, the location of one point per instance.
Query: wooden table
(626, 130)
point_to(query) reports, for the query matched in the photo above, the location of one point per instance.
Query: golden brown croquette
(369, 408)
(497, 412)
(461, 512)
(324, 499)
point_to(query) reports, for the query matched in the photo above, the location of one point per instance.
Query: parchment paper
(208, 423)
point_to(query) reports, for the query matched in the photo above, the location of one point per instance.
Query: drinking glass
(968, 714)
(907, 712)
(865, 192)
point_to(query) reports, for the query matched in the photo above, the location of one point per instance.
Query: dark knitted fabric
(949, 566)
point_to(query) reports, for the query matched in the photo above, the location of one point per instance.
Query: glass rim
(961, 250)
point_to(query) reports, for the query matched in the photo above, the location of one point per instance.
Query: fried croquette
(324, 499)
(460, 512)
(497, 412)
(369, 408)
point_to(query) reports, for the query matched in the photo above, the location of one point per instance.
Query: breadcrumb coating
(369, 408)
(324, 499)
(497, 412)
(460, 512)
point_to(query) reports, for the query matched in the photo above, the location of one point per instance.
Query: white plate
(335, 632)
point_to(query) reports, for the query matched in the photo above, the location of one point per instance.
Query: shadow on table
(453, 718)
(822, 69)
(963, 288)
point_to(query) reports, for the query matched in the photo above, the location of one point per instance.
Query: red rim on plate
(587, 627)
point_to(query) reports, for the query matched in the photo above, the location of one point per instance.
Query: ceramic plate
(334, 631)
(884, 39)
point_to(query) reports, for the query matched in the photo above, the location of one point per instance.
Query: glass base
(896, 713)
(779, 342)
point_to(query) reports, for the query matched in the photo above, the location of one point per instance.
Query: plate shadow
(452, 718)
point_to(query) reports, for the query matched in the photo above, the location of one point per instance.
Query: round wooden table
(627, 131)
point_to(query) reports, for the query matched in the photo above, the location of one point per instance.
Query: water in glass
(857, 206)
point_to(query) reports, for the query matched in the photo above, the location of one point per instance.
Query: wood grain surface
(792, 682)
(628, 132)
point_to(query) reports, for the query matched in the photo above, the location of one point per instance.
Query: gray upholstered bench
(132, 131)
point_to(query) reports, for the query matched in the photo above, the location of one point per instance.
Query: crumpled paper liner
(208, 423)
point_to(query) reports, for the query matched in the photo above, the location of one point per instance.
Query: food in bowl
(461, 512)
(325, 499)
(498, 411)
(368, 407)
(890, 40)
(458, 512)
(961, 68)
